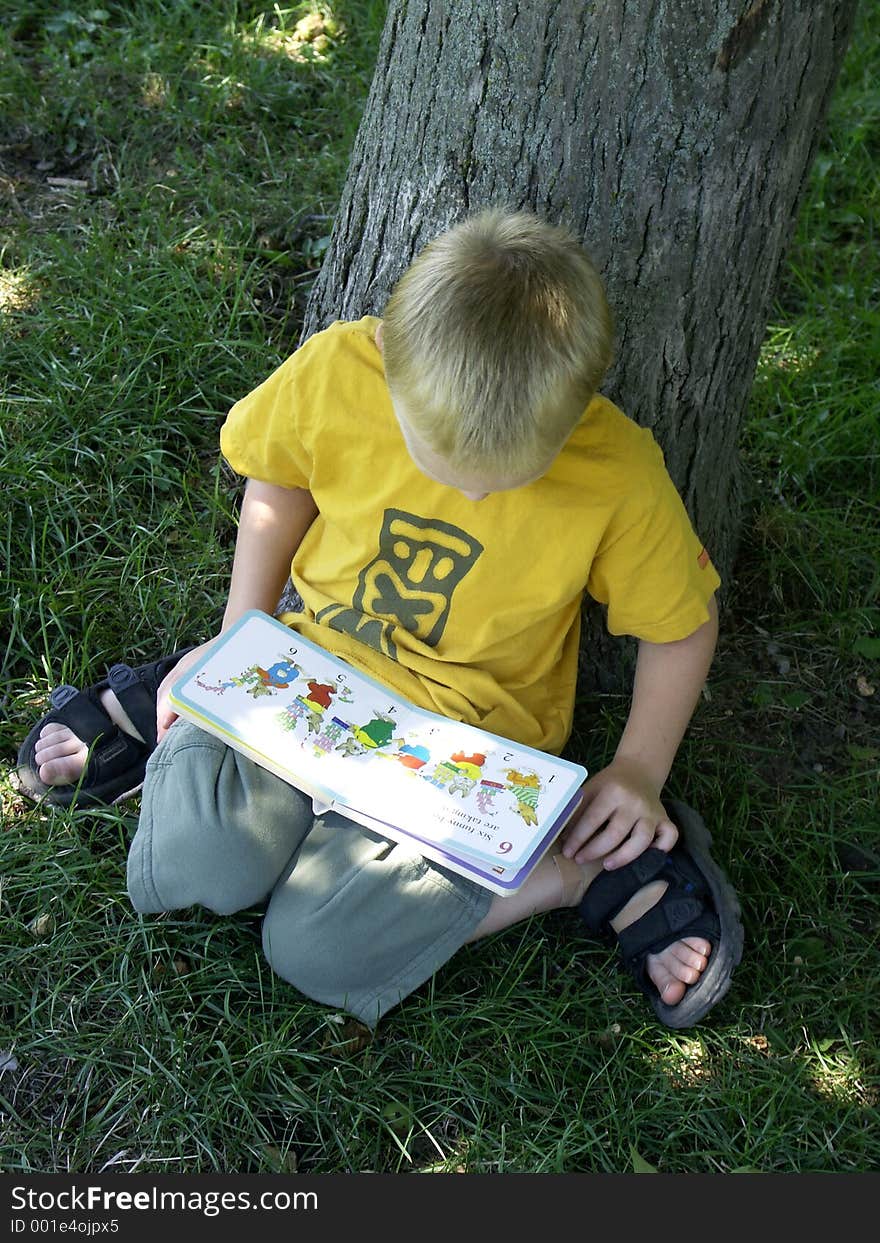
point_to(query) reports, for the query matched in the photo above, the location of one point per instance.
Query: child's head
(494, 341)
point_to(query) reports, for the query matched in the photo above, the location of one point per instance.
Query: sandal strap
(675, 916)
(153, 673)
(609, 893)
(686, 909)
(113, 756)
(84, 716)
(136, 700)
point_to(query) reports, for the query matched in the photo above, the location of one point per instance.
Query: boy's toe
(689, 957)
(56, 746)
(681, 964)
(60, 772)
(59, 756)
(51, 734)
(670, 989)
(698, 945)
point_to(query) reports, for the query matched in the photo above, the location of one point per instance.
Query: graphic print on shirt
(409, 583)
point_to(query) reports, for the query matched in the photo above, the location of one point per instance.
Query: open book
(481, 805)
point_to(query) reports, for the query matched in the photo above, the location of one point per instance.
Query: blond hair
(495, 339)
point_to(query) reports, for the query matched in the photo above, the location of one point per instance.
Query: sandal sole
(715, 981)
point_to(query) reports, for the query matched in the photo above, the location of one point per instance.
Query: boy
(442, 486)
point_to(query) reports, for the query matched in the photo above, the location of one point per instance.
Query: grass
(169, 173)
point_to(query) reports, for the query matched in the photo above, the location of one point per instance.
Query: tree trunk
(674, 137)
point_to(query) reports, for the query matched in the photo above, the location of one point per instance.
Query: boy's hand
(165, 714)
(620, 816)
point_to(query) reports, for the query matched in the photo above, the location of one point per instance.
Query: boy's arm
(622, 814)
(271, 526)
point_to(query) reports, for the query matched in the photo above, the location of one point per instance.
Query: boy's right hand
(165, 714)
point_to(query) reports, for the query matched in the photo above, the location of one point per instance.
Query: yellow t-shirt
(470, 609)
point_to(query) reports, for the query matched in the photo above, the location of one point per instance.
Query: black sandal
(117, 761)
(699, 902)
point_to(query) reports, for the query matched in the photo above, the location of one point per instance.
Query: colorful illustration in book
(321, 695)
(413, 757)
(377, 733)
(459, 774)
(317, 702)
(487, 792)
(330, 736)
(525, 788)
(462, 774)
(311, 706)
(257, 681)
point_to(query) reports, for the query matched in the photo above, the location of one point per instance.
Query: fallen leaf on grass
(41, 925)
(179, 966)
(397, 1117)
(282, 1164)
(349, 1038)
(640, 1165)
(759, 1042)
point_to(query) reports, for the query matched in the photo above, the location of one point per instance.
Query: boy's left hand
(621, 815)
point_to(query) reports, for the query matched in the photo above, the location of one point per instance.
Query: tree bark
(674, 137)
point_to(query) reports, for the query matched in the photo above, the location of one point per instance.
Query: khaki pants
(353, 920)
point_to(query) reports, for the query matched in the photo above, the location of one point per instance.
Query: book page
(338, 732)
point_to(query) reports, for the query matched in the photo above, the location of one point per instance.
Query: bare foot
(61, 756)
(681, 963)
